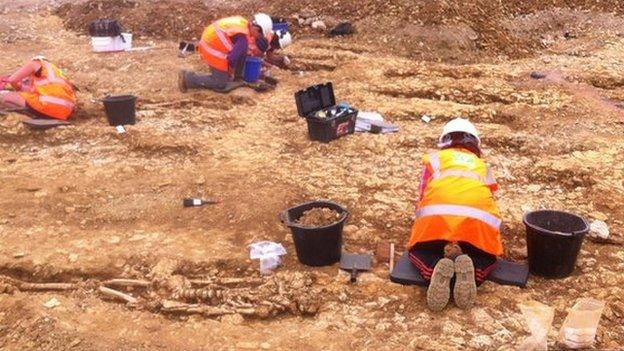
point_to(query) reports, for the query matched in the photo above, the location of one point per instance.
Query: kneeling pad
(505, 273)
(36, 123)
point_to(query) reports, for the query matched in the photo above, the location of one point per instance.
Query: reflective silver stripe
(489, 180)
(52, 74)
(51, 78)
(224, 39)
(458, 173)
(458, 210)
(216, 53)
(434, 161)
(56, 101)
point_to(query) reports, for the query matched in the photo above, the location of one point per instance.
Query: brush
(189, 202)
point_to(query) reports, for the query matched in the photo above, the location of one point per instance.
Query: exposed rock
(599, 229)
(320, 25)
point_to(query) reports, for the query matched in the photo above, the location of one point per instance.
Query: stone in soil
(318, 217)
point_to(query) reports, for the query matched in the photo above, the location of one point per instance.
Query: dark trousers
(216, 80)
(424, 256)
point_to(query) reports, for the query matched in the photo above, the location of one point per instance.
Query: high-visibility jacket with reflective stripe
(52, 95)
(216, 41)
(458, 204)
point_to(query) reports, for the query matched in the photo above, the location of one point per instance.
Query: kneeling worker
(40, 87)
(224, 46)
(457, 227)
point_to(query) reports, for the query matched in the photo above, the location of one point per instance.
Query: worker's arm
(238, 53)
(16, 78)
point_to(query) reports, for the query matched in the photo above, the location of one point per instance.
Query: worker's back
(457, 204)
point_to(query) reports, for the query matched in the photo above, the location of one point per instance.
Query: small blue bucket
(252, 69)
(283, 26)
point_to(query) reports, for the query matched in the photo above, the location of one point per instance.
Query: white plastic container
(111, 44)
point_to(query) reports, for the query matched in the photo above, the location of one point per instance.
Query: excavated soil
(318, 217)
(91, 209)
(458, 30)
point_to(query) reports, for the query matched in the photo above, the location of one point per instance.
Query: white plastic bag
(268, 253)
(538, 318)
(580, 326)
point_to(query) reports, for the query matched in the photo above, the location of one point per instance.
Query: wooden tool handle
(354, 273)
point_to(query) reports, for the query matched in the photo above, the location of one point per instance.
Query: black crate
(321, 98)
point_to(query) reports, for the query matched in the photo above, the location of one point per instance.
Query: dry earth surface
(82, 204)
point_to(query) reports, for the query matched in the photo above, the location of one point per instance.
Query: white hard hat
(284, 38)
(39, 57)
(263, 21)
(460, 125)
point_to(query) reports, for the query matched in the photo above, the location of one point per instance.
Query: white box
(111, 44)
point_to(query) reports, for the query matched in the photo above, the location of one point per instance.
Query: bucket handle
(283, 217)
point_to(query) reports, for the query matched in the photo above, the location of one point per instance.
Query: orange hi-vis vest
(53, 95)
(216, 41)
(458, 204)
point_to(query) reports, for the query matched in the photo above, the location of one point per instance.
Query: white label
(120, 129)
(196, 202)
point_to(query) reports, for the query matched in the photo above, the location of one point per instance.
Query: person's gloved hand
(286, 61)
(261, 86)
(5, 83)
(270, 80)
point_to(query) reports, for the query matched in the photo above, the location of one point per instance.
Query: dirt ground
(84, 205)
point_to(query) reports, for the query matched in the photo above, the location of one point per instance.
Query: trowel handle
(354, 273)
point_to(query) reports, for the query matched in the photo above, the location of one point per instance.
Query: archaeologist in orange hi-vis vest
(457, 226)
(224, 46)
(40, 87)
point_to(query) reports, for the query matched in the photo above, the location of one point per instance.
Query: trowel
(355, 263)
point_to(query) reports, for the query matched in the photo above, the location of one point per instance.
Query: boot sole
(182, 81)
(465, 290)
(439, 291)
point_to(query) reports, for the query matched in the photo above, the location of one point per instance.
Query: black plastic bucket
(554, 241)
(120, 110)
(316, 246)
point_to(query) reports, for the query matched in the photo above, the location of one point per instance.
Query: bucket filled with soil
(317, 231)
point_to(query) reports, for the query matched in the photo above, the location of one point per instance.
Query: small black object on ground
(343, 28)
(186, 48)
(120, 110)
(316, 246)
(355, 263)
(326, 120)
(105, 28)
(538, 75)
(554, 240)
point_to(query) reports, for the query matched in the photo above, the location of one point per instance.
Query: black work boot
(182, 81)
